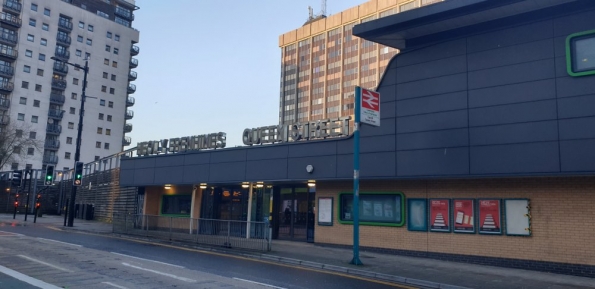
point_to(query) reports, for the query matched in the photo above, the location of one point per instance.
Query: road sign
(370, 107)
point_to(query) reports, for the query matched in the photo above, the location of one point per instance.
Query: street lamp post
(77, 153)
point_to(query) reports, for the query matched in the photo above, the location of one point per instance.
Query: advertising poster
(489, 217)
(439, 215)
(325, 211)
(417, 215)
(463, 216)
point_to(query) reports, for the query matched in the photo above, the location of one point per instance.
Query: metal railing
(63, 38)
(126, 141)
(130, 101)
(10, 19)
(133, 62)
(59, 83)
(131, 88)
(62, 23)
(134, 50)
(225, 233)
(132, 75)
(13, 5)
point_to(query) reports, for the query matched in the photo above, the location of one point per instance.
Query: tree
(15, 141)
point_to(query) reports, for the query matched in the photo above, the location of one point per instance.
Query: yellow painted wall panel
(368, 8)
(385, 4)
(333, 21)
(303, 32)
(318, 26)
(350, 15)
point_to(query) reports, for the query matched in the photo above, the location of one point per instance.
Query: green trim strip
(569, 54)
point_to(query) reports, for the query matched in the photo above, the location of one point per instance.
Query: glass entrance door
(295, 212)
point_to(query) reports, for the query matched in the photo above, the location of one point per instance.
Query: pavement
(418, 272)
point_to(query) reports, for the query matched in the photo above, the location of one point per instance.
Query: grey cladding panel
(228, 172)
(432, 86)
(127, 163)
(144, 162)
(196, 174)
(127, 178)
(377, 144)
(269, 151)
(515, 158)
(169, 175)
(578, 22)
(324, 167)
(514, 133)
(433, 139)
(313, 148)
(345, 166)
(524, 72)
(578, 155)
(575, 86)
(577, 128)
(170, 161)
(513, 93)
(388, 110)
(435, 103)
(229, 155)
(509, 55)
(387, 127)
(442, 67)
(510, 36)
(434, 121)
(389, 77)
(144, 177)
(434, 52)
(434, 162)
(377, 164)
(580, 106)
(388, 93)
(259, 170)
(198, 158)
(512, 113)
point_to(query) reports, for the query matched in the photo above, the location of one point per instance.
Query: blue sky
(212, 65)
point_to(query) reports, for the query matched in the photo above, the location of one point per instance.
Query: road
(67, 259)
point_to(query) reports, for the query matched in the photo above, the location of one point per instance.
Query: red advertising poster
(439, 215)
(463, 216)
(489, 217)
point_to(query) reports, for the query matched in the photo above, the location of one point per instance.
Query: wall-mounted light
(311, 183)
(167, 186)
(245, 185)
(259, 185)
(203, 186)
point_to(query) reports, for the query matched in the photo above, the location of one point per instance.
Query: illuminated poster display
(489, 217)
(439, 215)
(464, 216)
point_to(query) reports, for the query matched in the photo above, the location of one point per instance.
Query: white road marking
(9, 234)
(44, 239)
(147, 260)
(44, 263)
(161, 273)
(27, 279)
(263, 284)
(112, 284)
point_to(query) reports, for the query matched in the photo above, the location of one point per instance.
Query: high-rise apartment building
(322, 62)
(41, 94)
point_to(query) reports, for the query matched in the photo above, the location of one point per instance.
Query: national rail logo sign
(370, 107)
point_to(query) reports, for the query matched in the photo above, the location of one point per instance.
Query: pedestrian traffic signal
(49, 175)
(38, 201)
(16, 200)
(17, 176)
(78, 174)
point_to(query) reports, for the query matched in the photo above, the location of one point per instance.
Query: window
(96, 158)
(116, 50)
(87, 55)
(114, 64)
(43, 42)
(46, 12)
(36, 103)
(106, 61)
(580, 53)
(101, 116)
(110, 104)
(75, 81)
(38, 87)
(89, 41)
(103, 14)
(99, 130)
(69, 140)
(30, 38)
(41, 57)
(16, 150)
(23, 100)
(30, 151)
(40, 72)
(113, 77)
(98, 144)
(79, 39)
(81, 24)
(45, 27)
(67, 155)
(109, 35)
(73, 96)
(33, 7)
(32, 135)
(21, 116)
(28, 53)
(78, 53)
(90, 28)
(105, 75)
(117, 37)
(32, 22)
(70, 125)
(109, 117)
(19, 133)
(106, 146)
(108, 48)
(28, 166)
(72, 110)
(112, 90)
(34, 119)
(103, 88)
(14, 166)
(25, 85)
(384, 209)
(108, 131)
(176, 204)
(27, 68)
(102, 102)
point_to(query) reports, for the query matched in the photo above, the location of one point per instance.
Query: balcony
(133, 63)
(6, 70)
(10, 19)
(127, 127)
(63, 39)
(62, 54)
(53, 129)
(4, 119)
(6, 86)
(134, 50)
(57, 98)
(4, 103)
(129, 114)
(129, 101)
(9, 52)
(50, 160)
(13, 5)
(132, 75)
(124, 13)
(53, 144)
(60, 67)
(56, 114)
(65, 25)
(58, 83)
(126, 141)
(9, 38)
(131, 88)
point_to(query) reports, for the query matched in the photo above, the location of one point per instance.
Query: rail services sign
(370, 107)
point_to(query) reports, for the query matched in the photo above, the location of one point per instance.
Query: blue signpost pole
(357, 104)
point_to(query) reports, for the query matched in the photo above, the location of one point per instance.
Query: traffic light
(17, 176)
(38, 201)
(16, 200)
(49, 175)
(78, 174)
